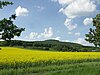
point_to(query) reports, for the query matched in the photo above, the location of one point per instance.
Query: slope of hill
(53, 45)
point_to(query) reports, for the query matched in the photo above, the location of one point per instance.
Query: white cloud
(77, 34)
(56, 38)
(82, 41)
(61, 10)
(88, 21)
(47, 33)
(33, 35)
(67, 41)
(65, 2)
(68, 23)
(79, 8)
(21, 11)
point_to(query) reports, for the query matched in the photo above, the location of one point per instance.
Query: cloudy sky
(65, 20)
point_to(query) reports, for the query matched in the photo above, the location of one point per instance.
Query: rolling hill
(52, 45)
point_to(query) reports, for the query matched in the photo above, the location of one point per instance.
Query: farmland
(18, 61)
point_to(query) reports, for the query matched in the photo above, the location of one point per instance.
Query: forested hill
(53, 45)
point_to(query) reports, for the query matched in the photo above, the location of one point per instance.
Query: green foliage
(52, 45)
(86, 68)
(7, 28)
(94, 34)
(4, 3)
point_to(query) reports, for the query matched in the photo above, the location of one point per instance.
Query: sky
(64, 20)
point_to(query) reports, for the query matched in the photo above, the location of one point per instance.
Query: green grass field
(17, 61)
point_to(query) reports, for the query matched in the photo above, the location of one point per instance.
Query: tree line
(50, 45)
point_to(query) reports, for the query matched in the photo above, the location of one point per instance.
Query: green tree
(7, 28)
(94, 34)
(5, 3)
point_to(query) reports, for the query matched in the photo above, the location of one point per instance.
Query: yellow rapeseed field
(12, 55)
(17, 61)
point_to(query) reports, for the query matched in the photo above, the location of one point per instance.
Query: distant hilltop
(51, 45)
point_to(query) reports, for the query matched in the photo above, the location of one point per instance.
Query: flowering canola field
(17, 57)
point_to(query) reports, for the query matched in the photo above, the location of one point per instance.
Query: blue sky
(65, 20)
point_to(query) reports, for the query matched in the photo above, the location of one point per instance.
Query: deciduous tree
(94, 34)
(7, 27)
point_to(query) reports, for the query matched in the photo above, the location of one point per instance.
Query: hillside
(52, 45)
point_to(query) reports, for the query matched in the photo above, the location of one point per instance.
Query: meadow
(18, 61)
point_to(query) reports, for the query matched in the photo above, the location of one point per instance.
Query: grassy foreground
(16, 61)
